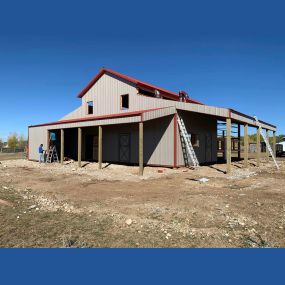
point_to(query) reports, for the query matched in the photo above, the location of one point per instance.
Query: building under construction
(127, 121)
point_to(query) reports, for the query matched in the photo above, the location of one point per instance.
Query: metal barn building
(124, 120)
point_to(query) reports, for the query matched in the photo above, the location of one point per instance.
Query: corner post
(62, 146)
(239, 144)
(229, 144)
(100, 147)
(267, 152)
(246, 145)
(258, 149)
(141, 148)
(274, 143)
(175, 142)
(79, 146)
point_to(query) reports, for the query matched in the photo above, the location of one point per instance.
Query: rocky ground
(63, 206)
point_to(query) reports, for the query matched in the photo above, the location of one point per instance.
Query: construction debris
(203, 180)
(129, 222)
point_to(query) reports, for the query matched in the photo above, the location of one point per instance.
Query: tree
(22, 142)
(13, 140)
(1, 143)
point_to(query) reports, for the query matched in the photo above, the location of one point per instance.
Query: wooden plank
(246, 145)
(100, 146)
(229, 144)
(79, 146)
(267, 152)
(141, 148)
(62, 146)
(258, 148)
(274, 144)
(239, 145)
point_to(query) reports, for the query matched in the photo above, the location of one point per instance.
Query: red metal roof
(95, 118)
(138, 83)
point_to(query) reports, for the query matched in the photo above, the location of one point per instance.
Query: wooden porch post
(62, 146)
(100, 147)
(258, 150)
(274, 143)
(229, 144)
(239, 144)
(246, 145)
(267, 152)
(79, 146)
(141, 148)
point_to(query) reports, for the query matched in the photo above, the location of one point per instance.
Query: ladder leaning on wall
(189, 154)
(266, 142)
(52, 155)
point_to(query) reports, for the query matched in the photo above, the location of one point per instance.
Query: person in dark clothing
(41, 153)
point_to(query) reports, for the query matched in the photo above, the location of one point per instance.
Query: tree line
(252, 138)
(14, 140)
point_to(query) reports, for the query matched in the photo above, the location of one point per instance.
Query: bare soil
(63, 206)
(9, 156)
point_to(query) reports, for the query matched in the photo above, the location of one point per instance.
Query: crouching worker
(41, 153)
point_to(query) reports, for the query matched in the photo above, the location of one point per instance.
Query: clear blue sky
(223, 53)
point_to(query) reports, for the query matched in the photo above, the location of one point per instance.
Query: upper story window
(90, 108)
(124, 102)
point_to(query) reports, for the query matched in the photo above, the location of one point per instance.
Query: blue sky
(223, 53)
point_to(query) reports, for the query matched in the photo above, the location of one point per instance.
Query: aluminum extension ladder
(188, 150)
(266, 142)
(52, 155)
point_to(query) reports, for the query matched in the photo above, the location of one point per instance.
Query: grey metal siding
(37, 136)
(159, 141)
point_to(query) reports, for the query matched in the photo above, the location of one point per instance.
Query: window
(90, 108)
(195, 140)
(125, 102)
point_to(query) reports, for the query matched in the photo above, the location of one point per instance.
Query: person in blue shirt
(41, 153)
(52, 139)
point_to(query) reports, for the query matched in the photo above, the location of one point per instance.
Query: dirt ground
(9, 156)
(63, 206)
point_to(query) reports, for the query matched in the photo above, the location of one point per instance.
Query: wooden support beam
(246, 145)
(229, 144)
(175, 141)
(141, 148)
(239, 144)
(267, 152)
(100, 146)
(258, 148)
(61, 146)
(79, 146)
(274, 144)
(48, 140)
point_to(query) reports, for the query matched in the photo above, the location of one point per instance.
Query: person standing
(41, 153)
(52, 140)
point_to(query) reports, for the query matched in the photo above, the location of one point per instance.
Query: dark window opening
(124, 102)
(195, 140)
(90, 108)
